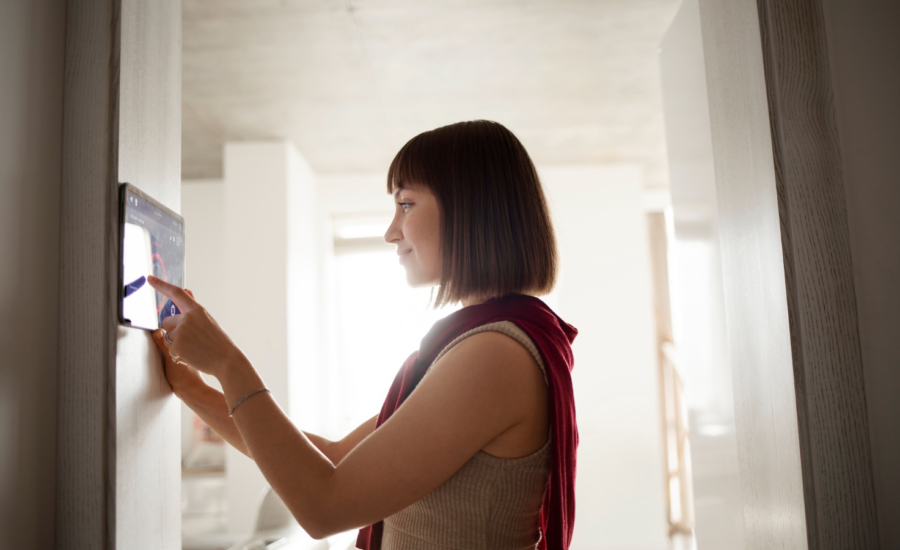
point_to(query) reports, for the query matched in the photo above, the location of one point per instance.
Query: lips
(404, 253)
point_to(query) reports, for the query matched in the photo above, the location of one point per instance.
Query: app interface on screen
(153, 244)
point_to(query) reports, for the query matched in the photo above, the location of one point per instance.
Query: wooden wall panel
(32, 58)
(87, 316)
(799, 402)
(753, 278)
(119, 433)
(863, 49)
(831, 403)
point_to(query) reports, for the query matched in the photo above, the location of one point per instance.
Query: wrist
(238, 377)
(234, 363)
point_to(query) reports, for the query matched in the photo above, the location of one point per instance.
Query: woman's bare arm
(473, 394)
(340, 449)
(210, 405)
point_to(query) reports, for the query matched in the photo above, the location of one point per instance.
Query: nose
(393, 233)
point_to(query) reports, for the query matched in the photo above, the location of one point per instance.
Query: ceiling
(350, 81)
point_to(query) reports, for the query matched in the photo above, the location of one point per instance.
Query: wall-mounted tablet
(151, 241)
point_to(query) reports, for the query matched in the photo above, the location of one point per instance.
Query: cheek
(434, 250)
(425, 236)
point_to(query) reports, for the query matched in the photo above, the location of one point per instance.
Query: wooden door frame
(118, 460)
(802, 429)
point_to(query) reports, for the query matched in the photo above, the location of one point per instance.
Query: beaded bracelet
(242, 399)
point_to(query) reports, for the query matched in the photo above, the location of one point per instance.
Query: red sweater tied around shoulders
(553, 338)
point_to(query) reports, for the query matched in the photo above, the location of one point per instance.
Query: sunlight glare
(381, 321)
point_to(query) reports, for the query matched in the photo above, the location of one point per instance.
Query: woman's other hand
(194, 337)
(184, 379)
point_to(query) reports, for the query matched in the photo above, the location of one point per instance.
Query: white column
(269, 230)
(604, 291)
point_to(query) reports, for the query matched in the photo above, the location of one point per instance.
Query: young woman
(480, 453)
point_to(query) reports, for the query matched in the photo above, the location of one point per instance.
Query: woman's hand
(183, 378)
(193, 337)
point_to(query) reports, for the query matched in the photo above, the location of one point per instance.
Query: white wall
(698, 299)
(604, 290)
(31, 98)
(203, 208)
(251, 260)
(147, 111)
(353, 195)
(206, 258)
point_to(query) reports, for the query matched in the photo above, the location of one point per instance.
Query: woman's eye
(404, 205)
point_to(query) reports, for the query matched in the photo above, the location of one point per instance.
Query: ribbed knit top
(490, 503)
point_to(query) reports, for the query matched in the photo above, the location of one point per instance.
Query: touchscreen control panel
(152, 243)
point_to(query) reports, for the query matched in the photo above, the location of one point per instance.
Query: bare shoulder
(505, 368)
(492, 347)
(497, 361)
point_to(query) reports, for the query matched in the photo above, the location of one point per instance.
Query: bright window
(380, 321)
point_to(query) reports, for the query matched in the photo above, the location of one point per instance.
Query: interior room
(722, 181)
(291, 114)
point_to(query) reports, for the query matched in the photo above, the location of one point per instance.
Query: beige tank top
(490, 503)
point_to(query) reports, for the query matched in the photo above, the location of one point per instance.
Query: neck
(473, 300)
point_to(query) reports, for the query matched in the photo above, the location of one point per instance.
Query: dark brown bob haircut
(496, 233)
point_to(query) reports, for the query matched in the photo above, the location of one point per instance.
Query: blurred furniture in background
(275, 528)
(204, 509)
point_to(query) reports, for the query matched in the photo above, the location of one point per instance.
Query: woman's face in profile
(416, 230)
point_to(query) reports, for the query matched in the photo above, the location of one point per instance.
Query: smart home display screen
(152, 244)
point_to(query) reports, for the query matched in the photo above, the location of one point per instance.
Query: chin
(417, 283)
(416, 280)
